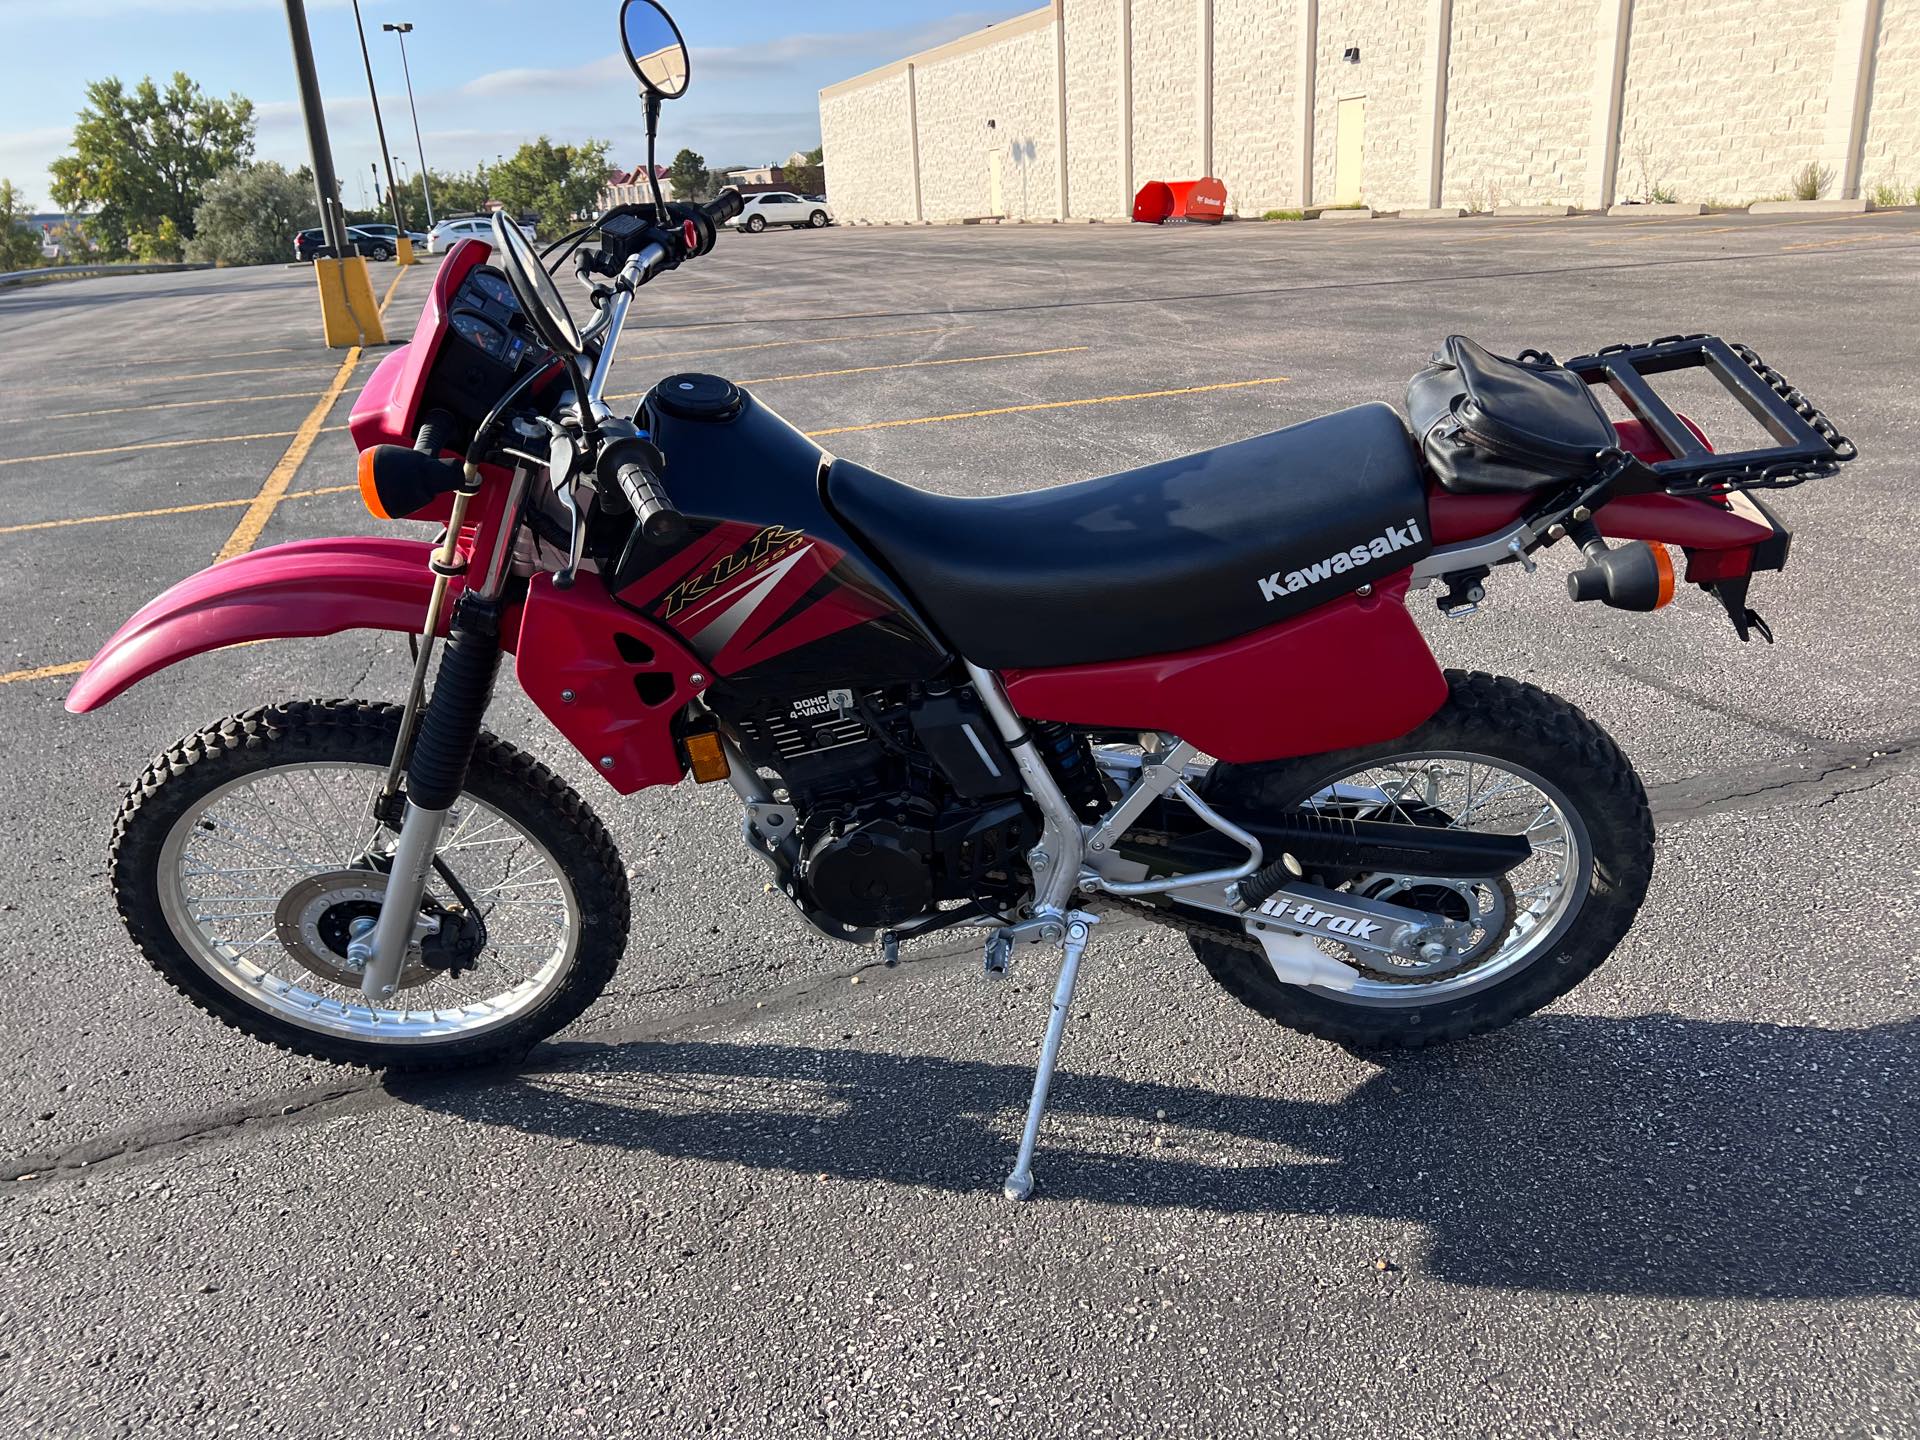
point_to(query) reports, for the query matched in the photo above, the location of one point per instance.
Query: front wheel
(817, 219)
(381, 252)
(756, 223)
(1500, 756)
(245, 862)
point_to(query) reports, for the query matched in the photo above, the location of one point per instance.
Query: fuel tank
(767, 588)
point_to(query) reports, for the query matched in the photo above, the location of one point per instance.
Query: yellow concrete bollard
(348, 313)
(403, 251)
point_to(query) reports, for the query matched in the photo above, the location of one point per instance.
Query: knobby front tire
(297, 751)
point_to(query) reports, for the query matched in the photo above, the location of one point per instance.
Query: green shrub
(1811, 181)
(1284, 215)
(1665, 195)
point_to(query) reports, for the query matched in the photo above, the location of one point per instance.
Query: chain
(1843, 448)
(1223, 933)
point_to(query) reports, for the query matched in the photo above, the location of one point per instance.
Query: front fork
(449, 728)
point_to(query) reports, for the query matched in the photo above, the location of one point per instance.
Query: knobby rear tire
(1502, 719)
(363, 732)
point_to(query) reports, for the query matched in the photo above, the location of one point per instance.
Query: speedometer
(478, 331)
(494, 288)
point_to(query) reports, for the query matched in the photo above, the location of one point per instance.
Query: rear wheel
(1500, 756)
(244, 863)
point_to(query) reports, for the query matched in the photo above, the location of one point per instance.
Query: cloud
(497, 83)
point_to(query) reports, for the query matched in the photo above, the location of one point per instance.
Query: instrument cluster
(484, 315)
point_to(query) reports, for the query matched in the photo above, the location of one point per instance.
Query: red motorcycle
(1190, 692)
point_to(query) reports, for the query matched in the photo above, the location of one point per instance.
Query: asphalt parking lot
(755, 1191)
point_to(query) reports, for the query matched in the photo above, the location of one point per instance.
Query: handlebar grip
(724, 206)
(660, 523)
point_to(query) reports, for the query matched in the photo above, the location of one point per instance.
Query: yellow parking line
(274, 489)
(161, 405)
(900, 365)
(917, 364)
(1839, 240)
(812, 340)
(170, 379)
(1052, 405)
(167, 510)
(45, 672)
(160, 444)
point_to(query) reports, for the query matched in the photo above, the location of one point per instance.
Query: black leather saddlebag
(1487, 423)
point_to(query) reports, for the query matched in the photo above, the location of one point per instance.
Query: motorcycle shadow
(1657, 1155)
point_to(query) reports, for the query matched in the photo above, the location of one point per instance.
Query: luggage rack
(1807, 445)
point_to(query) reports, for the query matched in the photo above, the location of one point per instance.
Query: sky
(485, 77)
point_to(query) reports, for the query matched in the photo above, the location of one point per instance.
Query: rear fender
(294, 591)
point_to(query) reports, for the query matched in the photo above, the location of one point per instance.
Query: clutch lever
(563, 457)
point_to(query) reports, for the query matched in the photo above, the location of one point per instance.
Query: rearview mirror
(539, 297)
(654, 48)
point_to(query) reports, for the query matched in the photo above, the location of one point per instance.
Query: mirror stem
(653, 175)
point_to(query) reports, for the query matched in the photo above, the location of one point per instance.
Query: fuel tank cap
(699, 397)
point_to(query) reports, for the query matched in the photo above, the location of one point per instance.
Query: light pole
(402, 30)
(379, 129)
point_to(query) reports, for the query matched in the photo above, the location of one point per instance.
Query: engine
(904, 800)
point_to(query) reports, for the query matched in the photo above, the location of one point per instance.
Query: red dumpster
(1162, 201)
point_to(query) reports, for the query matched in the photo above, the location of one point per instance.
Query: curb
(1676, 209)
(1505, 210)
(1443, 212)
(1363, 213)
(1807, 207)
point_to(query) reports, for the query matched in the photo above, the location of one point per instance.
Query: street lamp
(402, 31)
(379, 128)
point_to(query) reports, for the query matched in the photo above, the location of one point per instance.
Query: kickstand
(1019, 1185)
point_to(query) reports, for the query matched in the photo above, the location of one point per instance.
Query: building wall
(1892, 152)
(1166, 90)
(1725, 99)
(1720, 100)
(1256, 147)
(1096, 174)
(1518, 133)
(1011, 83)
(1391, 36)
(867, 153)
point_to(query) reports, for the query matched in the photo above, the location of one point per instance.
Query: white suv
(449, 233)
(781, 207)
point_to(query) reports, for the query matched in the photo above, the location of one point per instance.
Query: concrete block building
(1062, 113)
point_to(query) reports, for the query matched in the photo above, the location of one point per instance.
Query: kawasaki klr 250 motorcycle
(1190, 692)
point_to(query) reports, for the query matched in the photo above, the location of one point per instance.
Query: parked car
(312, 244)
(448, 233)
(418, 237)
(781, 207)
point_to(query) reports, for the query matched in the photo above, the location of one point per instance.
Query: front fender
(292, 591)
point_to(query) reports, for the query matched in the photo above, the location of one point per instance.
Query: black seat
(1168, 557)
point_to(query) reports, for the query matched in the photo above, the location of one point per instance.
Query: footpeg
(999, 954)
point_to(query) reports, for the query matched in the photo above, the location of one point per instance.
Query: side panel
(1355, 671)
(610, 681)
(302, 589)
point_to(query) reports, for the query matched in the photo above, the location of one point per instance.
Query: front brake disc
(314, 919)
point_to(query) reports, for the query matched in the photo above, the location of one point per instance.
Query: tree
(250, 215)
(554, 183)
(811, 177)
(457, 193)
(142, 157)
(689, 176)
(19, 245)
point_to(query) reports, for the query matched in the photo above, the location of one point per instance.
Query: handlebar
(724, 206)
(636, 470)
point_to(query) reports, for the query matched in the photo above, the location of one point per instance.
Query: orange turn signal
(369, 489)
(707, 757)
(1662, 562)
